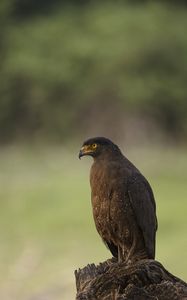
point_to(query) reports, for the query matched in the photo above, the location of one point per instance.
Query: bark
(144, 280)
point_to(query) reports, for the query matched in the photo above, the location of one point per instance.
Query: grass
(46, 225)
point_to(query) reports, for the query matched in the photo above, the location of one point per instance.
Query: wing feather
(143, 204)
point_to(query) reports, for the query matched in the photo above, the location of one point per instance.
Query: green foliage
(65, 67)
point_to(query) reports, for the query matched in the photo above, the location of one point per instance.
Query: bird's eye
(94, 146)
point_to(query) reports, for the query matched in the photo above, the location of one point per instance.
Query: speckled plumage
(123, 202)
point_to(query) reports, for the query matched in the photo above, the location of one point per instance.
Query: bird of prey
(123, 203)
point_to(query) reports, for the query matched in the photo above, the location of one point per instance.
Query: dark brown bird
(123, 203)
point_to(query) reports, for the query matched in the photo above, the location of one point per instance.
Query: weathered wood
(143, 280)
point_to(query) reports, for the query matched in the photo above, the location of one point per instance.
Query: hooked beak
(81, 154)
(85, 150)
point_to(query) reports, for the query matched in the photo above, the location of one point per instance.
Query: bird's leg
(123, 251)
(120, 254)
(131, 251)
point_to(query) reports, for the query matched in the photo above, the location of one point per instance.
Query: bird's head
(97, 147)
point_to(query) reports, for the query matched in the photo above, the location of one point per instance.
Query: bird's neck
(108, 156)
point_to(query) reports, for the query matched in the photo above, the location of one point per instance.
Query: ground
(46, 225)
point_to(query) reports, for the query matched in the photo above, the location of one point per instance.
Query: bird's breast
(111, 208)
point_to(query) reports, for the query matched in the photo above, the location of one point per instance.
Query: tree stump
(143, 280)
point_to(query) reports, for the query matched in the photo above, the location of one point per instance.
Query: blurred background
(70, 70)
